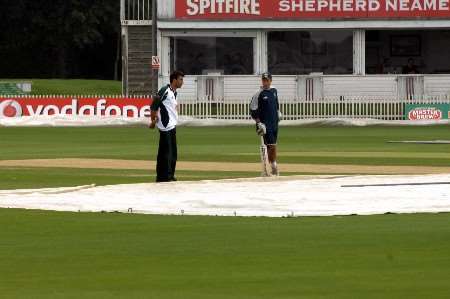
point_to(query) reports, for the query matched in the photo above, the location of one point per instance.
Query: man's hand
(153, 119)
(261, 129)
(280, 116)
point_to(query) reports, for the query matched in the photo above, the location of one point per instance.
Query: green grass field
(77, 255)
(41, 177)
(72, 87)
(316, 145)
(111, 255)
(347, 145)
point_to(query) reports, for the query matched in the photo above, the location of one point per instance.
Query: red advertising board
(89, 106)
(311, 9)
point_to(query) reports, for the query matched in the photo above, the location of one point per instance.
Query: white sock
(274, 165)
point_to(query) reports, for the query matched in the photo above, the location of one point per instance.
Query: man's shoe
(275, 172)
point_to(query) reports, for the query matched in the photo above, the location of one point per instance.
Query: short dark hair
(175, 75)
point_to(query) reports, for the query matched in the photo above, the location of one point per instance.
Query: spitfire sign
(311, 9)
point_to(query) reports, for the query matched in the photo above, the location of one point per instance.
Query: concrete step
(138, 71)
(139, 61)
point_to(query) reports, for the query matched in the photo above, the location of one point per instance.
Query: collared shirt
(167, 109)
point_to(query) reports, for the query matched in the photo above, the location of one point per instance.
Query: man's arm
(153, 118)
(255, 113)
(154, 111)
(280, 115)
(254, 107)
(276, 98)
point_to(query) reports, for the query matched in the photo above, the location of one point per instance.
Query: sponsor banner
(84, 106)
(311, 9)
(427, 111)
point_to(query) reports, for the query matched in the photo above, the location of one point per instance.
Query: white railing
(398, 87)
(135, 10)
(292, 109)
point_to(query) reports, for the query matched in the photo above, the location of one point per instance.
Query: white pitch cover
(271, 197)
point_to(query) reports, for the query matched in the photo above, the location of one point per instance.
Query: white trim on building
(291, 25)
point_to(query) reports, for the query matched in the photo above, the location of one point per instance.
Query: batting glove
(261, 129)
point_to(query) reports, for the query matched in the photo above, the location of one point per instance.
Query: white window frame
(359, 52)
(359, 44)
(258, 45)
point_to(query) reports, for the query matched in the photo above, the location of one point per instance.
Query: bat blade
(264, 158)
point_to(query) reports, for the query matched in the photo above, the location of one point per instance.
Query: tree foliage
(59, 38)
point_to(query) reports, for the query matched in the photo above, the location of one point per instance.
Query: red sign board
(89, 106)
(427, 111)
(425, 114)
(311, 9)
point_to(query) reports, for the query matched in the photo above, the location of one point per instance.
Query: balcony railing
(136, 11)
(316, 88)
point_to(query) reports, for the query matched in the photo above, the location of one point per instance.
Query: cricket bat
(264, 158)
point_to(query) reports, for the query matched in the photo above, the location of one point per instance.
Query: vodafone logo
(96, 106)
(10, 108)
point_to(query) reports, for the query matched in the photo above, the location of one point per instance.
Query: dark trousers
(167, 156)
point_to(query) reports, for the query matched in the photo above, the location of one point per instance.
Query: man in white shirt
(164, 115)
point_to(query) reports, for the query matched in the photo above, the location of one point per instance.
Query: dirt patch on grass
(225, 166)
(414, 155)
